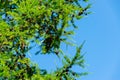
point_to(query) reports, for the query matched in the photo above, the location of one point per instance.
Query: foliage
(45, 22)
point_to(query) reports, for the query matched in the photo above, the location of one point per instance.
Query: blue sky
(101, 30)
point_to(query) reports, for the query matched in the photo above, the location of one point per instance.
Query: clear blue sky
(101, 30)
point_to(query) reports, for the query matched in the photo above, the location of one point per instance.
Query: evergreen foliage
(45, 22)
